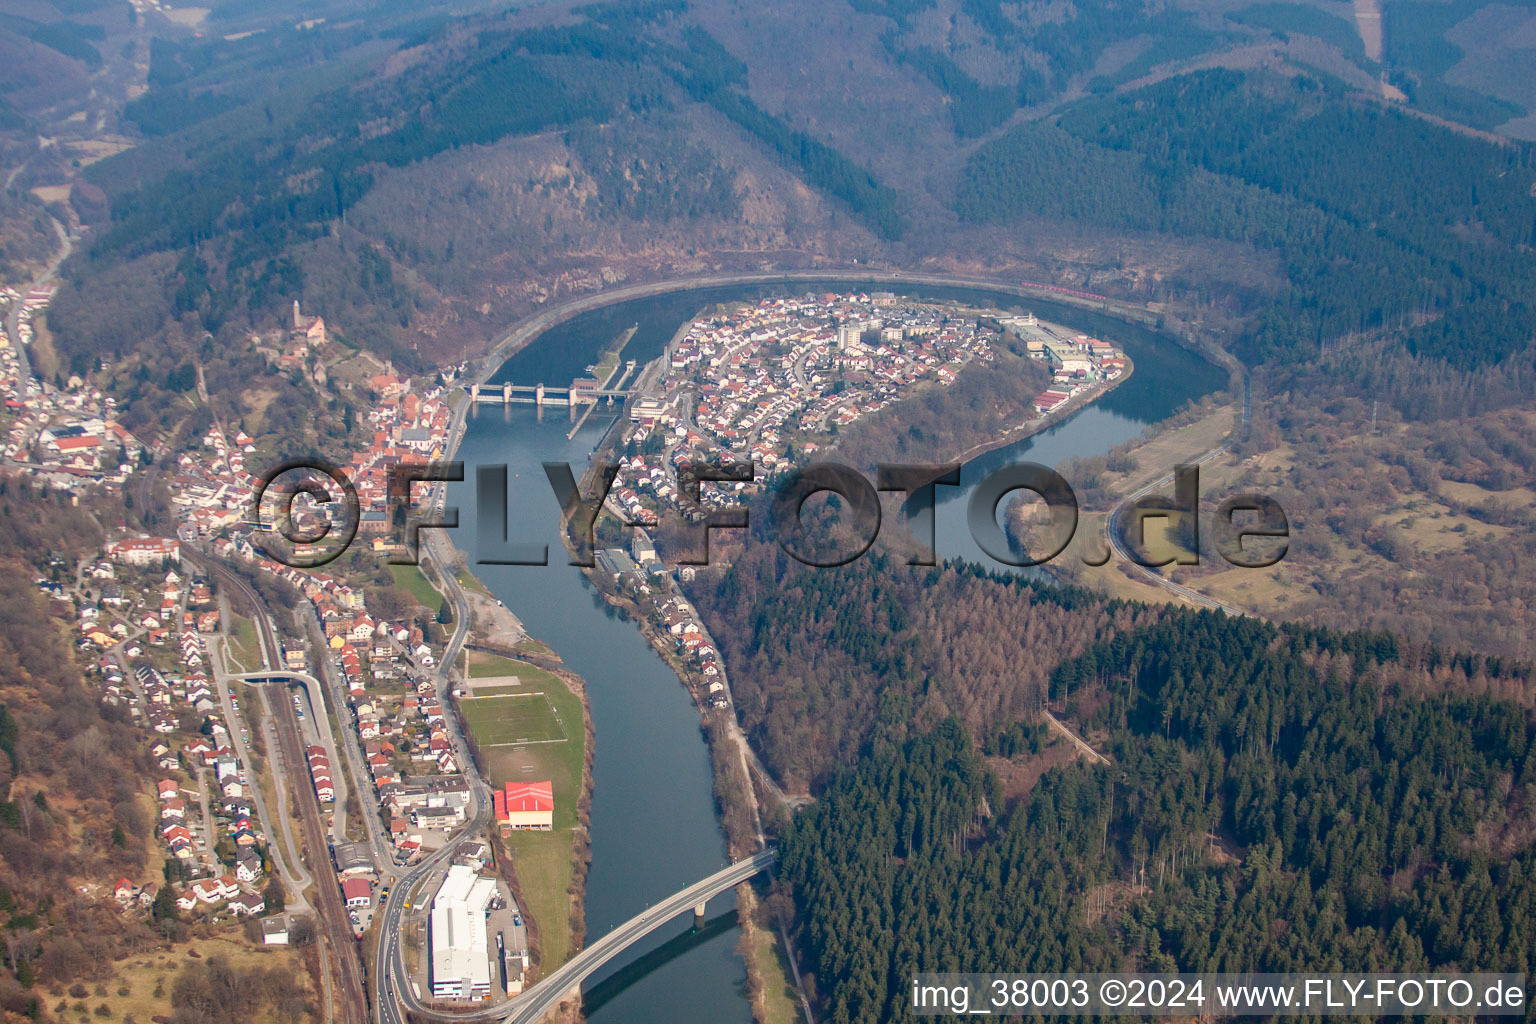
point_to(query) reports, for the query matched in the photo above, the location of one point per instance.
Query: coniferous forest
(1275, 800)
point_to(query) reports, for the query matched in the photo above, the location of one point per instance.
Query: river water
(653, 825)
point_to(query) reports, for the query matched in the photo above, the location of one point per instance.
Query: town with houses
(69, 437)
(772, 383)
(159, 641)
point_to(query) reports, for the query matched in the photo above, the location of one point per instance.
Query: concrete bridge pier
(698, 914)
(474, 392)
(538, 395)
(506, 394)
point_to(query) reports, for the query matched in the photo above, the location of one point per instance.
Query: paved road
(435, 549)
(565, 981)
(13, 322)
(525, 331)
(351, 749)
(335, 928)
(393, 992)
(205, 826)
(532, 1005)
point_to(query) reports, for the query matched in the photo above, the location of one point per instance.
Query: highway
(532, 1004)
(393, 991)
(394, 994)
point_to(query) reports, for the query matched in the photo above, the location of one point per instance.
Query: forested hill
(73, 769)
(1381, 221)
(424, 180)
(820, 657)
(1278, 801)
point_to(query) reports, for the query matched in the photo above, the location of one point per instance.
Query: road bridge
(532, 1005)
(565, 981)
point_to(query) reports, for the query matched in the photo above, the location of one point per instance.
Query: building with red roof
(358, 892)
(525, 806)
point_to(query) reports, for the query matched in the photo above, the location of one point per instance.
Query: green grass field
(469, 581)
(499, 691)
(778, 1002)
(542, 861)
(410, 579)
(244, 645)
(482, 665)
(560, 763)
(528, 718)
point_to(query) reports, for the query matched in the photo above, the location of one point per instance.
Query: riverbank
(641, 721)
(762, 946)
(738, 806)
(763, 949)
(523, 334)
(1184, 440)
(545, 871)
(1032, 427)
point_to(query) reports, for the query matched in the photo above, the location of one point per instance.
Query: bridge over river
(565, 981)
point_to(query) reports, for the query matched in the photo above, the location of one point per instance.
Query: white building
(461, 967)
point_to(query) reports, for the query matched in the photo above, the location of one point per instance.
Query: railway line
(335, 929)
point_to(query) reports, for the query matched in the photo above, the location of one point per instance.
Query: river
(653, 825)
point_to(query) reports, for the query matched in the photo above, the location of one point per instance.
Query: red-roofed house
(82, 442)
(526, 806)
(357, 891)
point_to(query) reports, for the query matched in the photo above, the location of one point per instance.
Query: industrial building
(461, 966)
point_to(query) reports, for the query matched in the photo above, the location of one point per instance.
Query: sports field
(513, 718)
